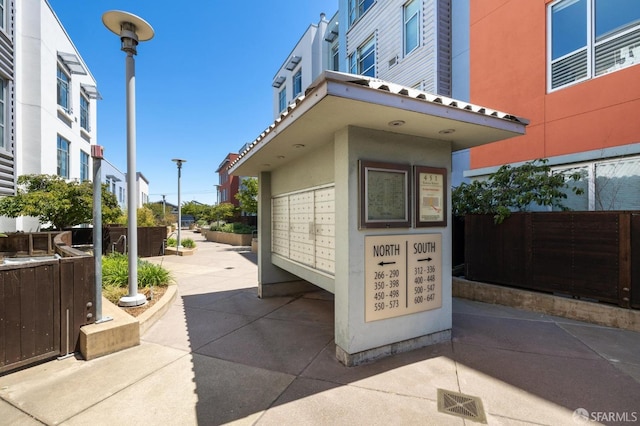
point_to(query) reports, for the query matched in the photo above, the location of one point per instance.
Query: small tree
(248, 195)
(514, 189)
(197, 210)
(222, 211)
(162, 217)
(63, 203)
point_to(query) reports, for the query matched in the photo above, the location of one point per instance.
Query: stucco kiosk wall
(314, 169)
(353, 335)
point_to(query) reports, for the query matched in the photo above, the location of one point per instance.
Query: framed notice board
(430, 196)
(384, 195)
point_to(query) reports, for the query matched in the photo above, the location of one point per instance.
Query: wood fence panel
(596, 254)
(635, 261)
(77, 288)
(27, 313)
(591, 255)
(496, 252)
(47, 309)
(552, 257)
(3, 324)
(12, 316)
(150, 240)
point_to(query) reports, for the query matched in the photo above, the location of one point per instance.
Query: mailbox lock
(89, 305)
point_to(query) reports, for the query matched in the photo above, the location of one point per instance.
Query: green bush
(186, 243)
(115, 272)
(237, 228)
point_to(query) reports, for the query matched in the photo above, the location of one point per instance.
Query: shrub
(187, 243)
(237, 228)
(115, 272)
(515, 189)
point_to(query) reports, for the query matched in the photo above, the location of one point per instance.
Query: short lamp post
(131, 30)
(179, 162)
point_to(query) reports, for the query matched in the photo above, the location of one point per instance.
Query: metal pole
(131, 30)
(97, 232)
(133, 298)
(179, 245)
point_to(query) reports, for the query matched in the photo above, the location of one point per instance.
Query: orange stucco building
(569, 67)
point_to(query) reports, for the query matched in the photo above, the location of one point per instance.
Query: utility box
(354, 198)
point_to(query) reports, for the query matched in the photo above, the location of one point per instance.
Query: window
(357, 8)
(282, 99)
(3, 15)
(63, 89)
(363, 61)
(121, 194)
(297, 83)
(589, 38)
(63, 157)
(411, 14)
(84, 112)
(84, 166)
(3, 113)
(608, 184)
(335, 58)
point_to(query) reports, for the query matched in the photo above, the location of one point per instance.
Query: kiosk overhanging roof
(337, 100)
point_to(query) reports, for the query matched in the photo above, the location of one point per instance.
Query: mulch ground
(152, 298)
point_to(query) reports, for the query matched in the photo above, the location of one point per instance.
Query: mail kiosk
(354, 198)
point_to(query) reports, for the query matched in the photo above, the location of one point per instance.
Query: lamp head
(131, 29)
(178, 161)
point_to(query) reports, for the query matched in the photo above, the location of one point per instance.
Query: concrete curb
(124, 330)
(154, 313)
(595, 313)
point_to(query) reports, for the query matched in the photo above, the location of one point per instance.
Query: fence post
(624, 262)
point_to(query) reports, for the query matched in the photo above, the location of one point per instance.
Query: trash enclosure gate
(43, 304)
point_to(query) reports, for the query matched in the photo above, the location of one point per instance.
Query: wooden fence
(151, 239)
(44, 303)
(591, 255)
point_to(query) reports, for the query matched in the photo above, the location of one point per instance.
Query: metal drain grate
(458, 404)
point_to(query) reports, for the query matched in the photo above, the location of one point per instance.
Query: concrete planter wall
(228, 238)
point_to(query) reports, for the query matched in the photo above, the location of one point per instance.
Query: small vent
(393, 61)
(465, 406)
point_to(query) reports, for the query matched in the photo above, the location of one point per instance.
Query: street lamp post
(131, 29)
(179, 162)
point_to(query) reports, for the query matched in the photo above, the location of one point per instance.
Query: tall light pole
(179, 162)
(131, 29)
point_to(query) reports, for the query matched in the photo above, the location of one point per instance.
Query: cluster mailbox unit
(353, 198)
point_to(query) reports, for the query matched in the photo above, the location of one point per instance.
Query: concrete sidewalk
(221, 355)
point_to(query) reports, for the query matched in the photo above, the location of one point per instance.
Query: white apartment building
(423, 44)
(116, 182)
(49, 99)
(406, 42)
(306, 61)
(48, 96)
(142, 188)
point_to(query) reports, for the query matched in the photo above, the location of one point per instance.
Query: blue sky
(203, 83)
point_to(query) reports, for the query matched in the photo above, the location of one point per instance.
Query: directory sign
(403, 275)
